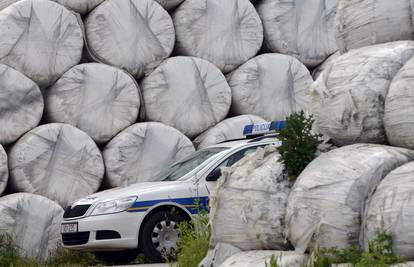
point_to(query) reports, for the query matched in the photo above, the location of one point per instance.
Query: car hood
(131, 190)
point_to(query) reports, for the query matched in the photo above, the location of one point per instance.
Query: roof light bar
(263, 128)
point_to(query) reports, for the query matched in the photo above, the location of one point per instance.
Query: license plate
(66, 228)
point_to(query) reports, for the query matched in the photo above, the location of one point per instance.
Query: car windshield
(188, 164)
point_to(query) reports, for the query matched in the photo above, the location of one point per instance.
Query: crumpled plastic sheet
(231, 128)
(21, 105)
(316, 72)
(262, 258)
(96, 98)
(300, 28)
(80, 6)
(135, 35)
(348, 98)
(399, 111)
(226, 33)
(367, 22)
(142, 152)
(4, 170)
(187, 93)
(57, 161)
(34, 222)
(271, 86)
(327, 203)
(6, 3)
(249, 204)
(41, 39)
(218, 255)
(391, 208)
(169, 5)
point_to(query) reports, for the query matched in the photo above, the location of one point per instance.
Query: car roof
(241, 142)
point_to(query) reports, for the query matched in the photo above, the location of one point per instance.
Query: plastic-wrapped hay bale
(98, 99)
(34, 222)
(262, 258)
(391, 208)
(300, 28)
(316, 72)
(248, 207)
(41, 39)
(57, 161)
(135, 35)
(143, 151)
(327, 201)
(21, 105)
(271, 86)
(169, 4)
(367, 22)
(6, 3)
(228, 129)
(398, 117)
(348, 99)
(218, 255)
(81, 6)
(4, 171)
(226, 33)
(187, 93)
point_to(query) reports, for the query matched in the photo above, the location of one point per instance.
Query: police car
(145, 215)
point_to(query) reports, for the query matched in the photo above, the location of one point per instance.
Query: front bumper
(126, 224)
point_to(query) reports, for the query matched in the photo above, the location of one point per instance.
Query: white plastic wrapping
(21, 104)
(80, 6)
(57, 161)
(135, 35)
(218, 255)
(98, 99)
(262, 258)
(226, 33)
(391, 208)
(143, 151)
(399, 108)
(41, 39)
(4, 170)
(231, 128)
(169, 5)
(326, 205)
(6, 3)
(187, 93)
(248, 206)
(316, 72)
(301, 28)
(271, 86)
(367, 22)
(348, 98)
(34, 222)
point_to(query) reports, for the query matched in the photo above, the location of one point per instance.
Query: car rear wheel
(160, 235)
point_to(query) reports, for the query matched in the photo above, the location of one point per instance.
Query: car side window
(233, 159)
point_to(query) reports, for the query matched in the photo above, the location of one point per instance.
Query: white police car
(145, 215)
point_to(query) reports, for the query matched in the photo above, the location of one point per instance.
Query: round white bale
(326, 204)
(143, 151)
(21, 105)
(262, 258)
(249, 204)
(391, 208)
(135, 35)
(57, 161)
(226, 33)
(4, 170)
(367, 22)
(399, 112)
(169, 5)
(187, 93)
(300, 28)
(96, 98)
(80, 6)
(231, 128)
(33, 221)
(316, 72)
(271, 86)
(217, 255)
(348, 99)
(41, 39)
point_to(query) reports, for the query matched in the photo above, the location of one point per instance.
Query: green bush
(299, 144)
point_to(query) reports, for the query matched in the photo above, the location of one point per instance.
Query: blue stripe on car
(193, 204)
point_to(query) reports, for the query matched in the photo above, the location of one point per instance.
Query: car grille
(74, 239)
(103, 235)
(76, 211)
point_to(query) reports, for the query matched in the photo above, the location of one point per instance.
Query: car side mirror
(214, 175)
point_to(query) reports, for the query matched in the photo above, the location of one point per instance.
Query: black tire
(146, 244)
(117, 257)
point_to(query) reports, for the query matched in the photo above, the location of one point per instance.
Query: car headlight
(114, 206)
